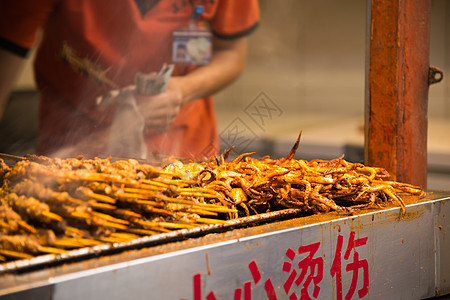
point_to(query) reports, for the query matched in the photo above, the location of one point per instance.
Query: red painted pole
(396, 101)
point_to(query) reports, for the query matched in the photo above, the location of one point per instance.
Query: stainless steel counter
(377, 254)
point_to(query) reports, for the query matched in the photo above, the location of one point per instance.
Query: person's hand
(160, 111)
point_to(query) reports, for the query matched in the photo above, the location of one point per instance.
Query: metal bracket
(435, 75)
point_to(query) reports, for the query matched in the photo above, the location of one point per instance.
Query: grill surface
(42, 261)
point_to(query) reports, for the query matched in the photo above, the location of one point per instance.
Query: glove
(127, 131)
(126, 138)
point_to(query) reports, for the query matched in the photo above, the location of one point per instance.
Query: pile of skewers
(54, 205)
(50, 205)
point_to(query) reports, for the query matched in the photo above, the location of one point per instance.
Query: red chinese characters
(306, 273)
(353, 266)
(311, 271)
(256, 275)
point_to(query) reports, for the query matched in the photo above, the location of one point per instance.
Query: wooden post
(396, 100)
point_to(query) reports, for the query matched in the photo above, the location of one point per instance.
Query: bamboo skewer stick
(27, 227)
(112, 240)
(211, 221)
(52, 216)
(201, 212)
(206, 206)
(115, 225)
(85, 66)
(123, 235)
(109, 218)
(127, 213)
(103, 222)
(177, 225)
(148, 225)
(51, 250)
(142, 231)
(15, 254)
(67, 242)
(102, 198)
(102, 206)
(166, 182)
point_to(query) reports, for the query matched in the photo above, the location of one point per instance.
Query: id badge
(191, 46)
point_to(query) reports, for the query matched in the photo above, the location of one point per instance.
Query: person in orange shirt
(124, 37)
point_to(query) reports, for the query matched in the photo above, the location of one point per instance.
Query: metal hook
(435, 75)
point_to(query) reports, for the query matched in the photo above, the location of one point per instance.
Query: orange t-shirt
(125, 38)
